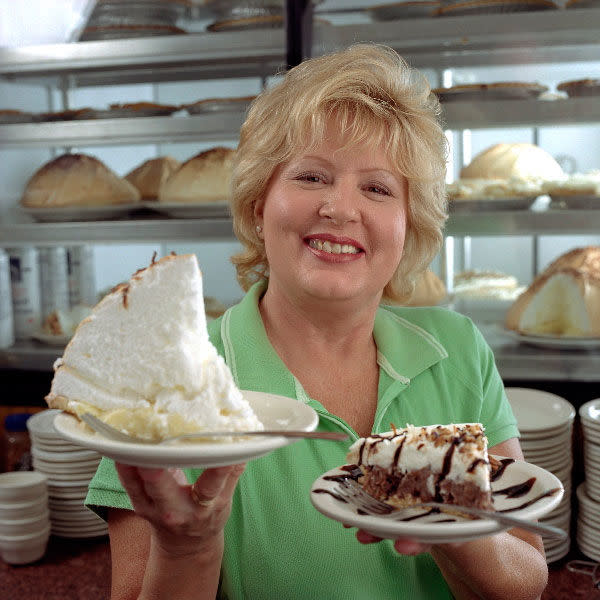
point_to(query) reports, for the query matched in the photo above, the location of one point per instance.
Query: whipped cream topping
(143, 360)
(415, 448)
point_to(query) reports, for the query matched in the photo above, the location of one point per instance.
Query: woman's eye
(378, 189)
(311, 177)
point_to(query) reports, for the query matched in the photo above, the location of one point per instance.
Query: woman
(338, 200)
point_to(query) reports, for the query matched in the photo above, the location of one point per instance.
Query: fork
(110, 432)
(350, 491)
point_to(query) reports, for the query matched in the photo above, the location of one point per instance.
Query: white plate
(187, 210)
(555, 341)
(42, 424)
(81, 213)
(537, 410)
(590, 411)
(275, 412)
(51, 340)
(425, 529)
(65, 457)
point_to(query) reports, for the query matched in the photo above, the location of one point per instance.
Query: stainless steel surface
(18, 230)
(549, 36)
(515, 361)
(514, 113)
(524, 222)
(216, 126)
(29, 356)
(110, 432)
(141, 130)
(168, 58)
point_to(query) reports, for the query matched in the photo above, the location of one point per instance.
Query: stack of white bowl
(69, 469)
(545, 421)
(24, 516)
(588, 493)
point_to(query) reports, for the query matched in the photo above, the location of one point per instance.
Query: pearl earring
(258, 229)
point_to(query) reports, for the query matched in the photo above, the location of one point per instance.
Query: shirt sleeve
(496, 413)
(105, 490)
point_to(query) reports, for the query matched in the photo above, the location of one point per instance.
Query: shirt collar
(403, 349)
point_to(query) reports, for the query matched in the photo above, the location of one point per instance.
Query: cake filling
(438, 463)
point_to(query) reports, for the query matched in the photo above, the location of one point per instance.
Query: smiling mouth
(333, 248)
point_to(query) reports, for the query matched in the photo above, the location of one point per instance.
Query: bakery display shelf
(520, 361)
(514, 361)
(484, 39)
(209, 127)
(154, 59)
(524, 222)
(28, 355)
(19, 229)
(20, 232)
(488, 114)
(512, 38)
(214, 127)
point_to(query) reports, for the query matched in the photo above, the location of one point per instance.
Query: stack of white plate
(545, 421)
(588, 493)
(68, 468)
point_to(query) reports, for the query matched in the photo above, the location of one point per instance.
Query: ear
(258, 213)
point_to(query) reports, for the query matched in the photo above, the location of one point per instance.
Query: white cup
(23, 549)
(24, 510)
(22, 486)
(24, 526)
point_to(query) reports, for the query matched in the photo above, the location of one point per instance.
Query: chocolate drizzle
(518, 490)
(532, 501)
(498, 467)
(446, 466)
(476, 462)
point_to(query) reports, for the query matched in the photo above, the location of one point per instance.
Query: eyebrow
(365, 170)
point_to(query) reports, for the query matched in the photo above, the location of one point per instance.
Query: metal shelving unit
(515, 361)
(515, 38)
(20, 229)
(216, 127)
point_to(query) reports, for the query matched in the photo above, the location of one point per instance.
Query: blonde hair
(377, 99)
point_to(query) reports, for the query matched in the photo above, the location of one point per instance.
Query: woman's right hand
(185, 519)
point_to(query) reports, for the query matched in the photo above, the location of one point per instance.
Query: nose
(340, 204)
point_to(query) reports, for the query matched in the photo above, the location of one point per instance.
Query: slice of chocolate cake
(437, 463)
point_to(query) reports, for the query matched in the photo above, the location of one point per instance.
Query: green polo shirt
(434, 367)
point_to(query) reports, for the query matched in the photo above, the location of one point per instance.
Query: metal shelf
(29, 356)
(141, 130)
(517, 38)
(20, 230)
(139, 60)
(514, 361)
(521, 113)
(524, 222)
(499, 39)
(216, 127)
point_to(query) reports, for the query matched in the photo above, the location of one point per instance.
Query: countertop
(79, 569)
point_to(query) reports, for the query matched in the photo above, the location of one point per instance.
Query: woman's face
(334, 222)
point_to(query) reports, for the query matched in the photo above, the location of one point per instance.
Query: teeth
(333, 248)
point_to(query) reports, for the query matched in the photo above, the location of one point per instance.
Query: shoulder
(447, 326)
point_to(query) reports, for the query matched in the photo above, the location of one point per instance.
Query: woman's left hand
(402, 545)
